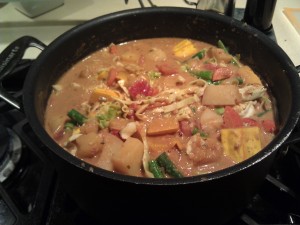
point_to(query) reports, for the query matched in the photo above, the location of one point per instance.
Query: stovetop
(30, 193)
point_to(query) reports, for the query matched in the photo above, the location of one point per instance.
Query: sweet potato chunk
(220, 95)
(128, 160)
(160, 126)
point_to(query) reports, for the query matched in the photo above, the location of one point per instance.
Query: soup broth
(161, 107)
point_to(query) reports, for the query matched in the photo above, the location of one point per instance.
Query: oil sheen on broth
(161, 107)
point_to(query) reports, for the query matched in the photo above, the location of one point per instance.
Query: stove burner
(10, 152)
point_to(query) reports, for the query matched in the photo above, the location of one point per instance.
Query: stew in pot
(161, 107)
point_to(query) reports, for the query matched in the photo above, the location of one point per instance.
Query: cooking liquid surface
(158, 93)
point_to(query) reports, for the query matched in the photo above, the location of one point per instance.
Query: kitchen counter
(48, 26)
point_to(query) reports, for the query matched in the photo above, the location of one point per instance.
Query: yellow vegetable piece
(102, 75)
(184, 48)
(241, 143)
(98, 93)
(122, 76)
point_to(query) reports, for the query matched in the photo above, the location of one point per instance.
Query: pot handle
(10, 58)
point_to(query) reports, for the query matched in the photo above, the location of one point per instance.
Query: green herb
(205, 75)
(263, 113)
(239, 80)
(220, 110)
(154, 75)
(193, 108)
(218, 82)
(195, 131)
(203, 134)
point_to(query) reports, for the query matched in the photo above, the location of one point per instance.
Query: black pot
(212, 198)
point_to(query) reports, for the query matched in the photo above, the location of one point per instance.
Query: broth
(161, 107)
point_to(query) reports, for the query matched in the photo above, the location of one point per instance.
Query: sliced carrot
(112, 76)
(159, 126)
(101, 92)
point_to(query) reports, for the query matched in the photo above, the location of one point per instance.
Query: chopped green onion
(263, 113)
(112, 112)
(193, 108)
(220, 110)
(200, 54)
(155, 169)
(205, 75)
(203, 134)
(218, 82)
(69, 126)
(154, 75)
(222, 46)
(235, 61)
(240, 80)
(77, 117)
(195, 131)
(164, 161)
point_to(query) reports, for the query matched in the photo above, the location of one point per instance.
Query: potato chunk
(220, 95)
(128, 160)
(112, 144)
(89, 145)
(241, 143)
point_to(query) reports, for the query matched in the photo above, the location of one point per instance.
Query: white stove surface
(48, 26)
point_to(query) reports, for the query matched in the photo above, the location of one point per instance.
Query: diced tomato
(141, 87)
(111, 78)
(250, 122)
(268, 126)
(231, 118)
(185, 128)
(222, 73)
(167, 69)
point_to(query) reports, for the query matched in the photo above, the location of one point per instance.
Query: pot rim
(279, 139)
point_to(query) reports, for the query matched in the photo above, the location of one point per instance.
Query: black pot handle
(10, 58)
(298, 68)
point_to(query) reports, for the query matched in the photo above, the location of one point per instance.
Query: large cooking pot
(211, 198)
